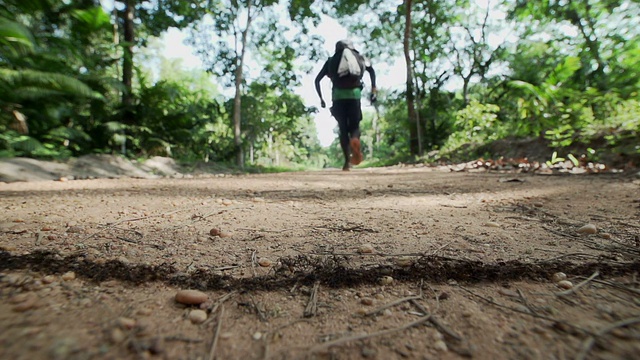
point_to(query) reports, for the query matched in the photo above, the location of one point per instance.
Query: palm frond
(16, 37)
(38, 84)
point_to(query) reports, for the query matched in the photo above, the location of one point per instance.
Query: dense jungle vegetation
(85, 76)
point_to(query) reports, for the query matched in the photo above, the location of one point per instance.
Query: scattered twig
(392, 304)
(254, 261)
(454, 206)
(142, 218)
(526, 302)
(440, 248)
(312, 306)
(218, 304)
(216, 335)
(569, 255)
(367, 254)
(358, 227)
(266, 230)
(536, 315)
(368, 336)
(436, 322)
(618, 286)
(591, 340)
(259, 311)
(183, 339)
(578, 286)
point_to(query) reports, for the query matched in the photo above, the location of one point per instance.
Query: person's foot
(356, 155)
(345, 167)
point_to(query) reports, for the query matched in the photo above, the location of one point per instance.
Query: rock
(492, 224)
(366, 301)
(145, 312)
(366, 249)
(191, 297)
(404, 261)
(214, 232)
(559, 276)
(257, 200)
(31, 302)
(386, 280)
(588, 229)
(368, 352)
(227, 202)
(538, 204)
(440, 345)
(48, 279)
(68, 276)
(117, 336)
(387, 312)
(198, 316)
(507, 292)
(257, 335)
(606, 236)
(126, 323)
(264, 262)
(565, 284)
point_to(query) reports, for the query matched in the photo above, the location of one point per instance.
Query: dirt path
(299, 266)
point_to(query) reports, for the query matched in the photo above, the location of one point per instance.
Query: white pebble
(491, 224)
(440, 345)
(588, 229)
(68, 276)
(565, 284)
(197, 316)
(366, 249)
(559, 276)
(386, 280)
(257, 335)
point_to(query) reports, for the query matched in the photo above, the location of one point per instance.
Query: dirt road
(393, 263)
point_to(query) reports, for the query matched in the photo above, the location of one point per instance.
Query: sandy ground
(392, 263)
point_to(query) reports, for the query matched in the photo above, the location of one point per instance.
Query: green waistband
(342, 94)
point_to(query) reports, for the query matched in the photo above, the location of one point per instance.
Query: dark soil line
(306, 271)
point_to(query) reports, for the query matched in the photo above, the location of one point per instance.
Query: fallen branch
(368, 336)
(591, 340)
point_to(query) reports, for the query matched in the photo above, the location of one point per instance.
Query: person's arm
(372, 76)
(324, 72)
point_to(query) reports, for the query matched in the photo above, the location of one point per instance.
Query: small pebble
(387, 312)
(117, 336)
(492, 224)
(440, 345)
(264, 262)
(538, 204)
(126, 323)
(68, 276)
(386, 280)
(507, 292)
(588, 229)
(366, 301)
(404, 261)
(214, 232)
(48, 279)
(191, 297)
(606, 236)
(227, 202)
(197, 316)
(366, 249)
(145, 312)
(565, 284)
(559, 276)
(257, 335)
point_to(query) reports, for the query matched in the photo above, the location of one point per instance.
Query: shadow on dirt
(332, 271)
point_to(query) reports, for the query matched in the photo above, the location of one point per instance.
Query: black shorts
(348, 113)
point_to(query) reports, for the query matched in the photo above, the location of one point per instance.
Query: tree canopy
(76, 77)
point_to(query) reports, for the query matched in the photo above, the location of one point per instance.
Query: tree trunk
(414, 139)
(237, 101)
(127, 62)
